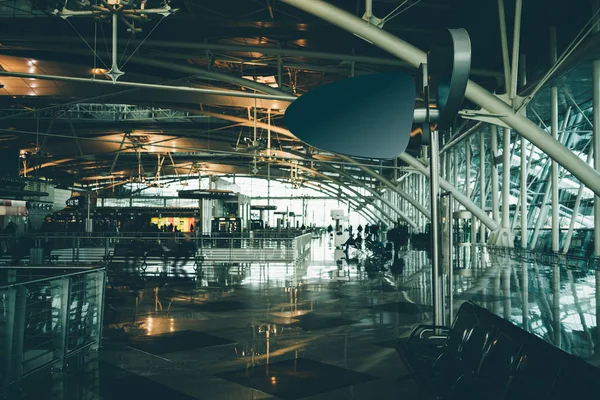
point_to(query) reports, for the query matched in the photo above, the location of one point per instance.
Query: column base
(502, 237)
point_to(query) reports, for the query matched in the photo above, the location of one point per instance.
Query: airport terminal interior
(299, 199)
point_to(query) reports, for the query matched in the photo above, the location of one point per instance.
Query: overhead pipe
(142, 85)
(356, 182)
(270, 51)
(475, 93)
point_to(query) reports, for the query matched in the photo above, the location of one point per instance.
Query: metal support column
(468, 168)
(450, 260)
(596, 149)
(434, 197)
(494, 171)
(482, 189)
(279, 72)
(523, 193)
(525, 295)
(506, 179)
(554, 129)
(468, 184)
(455, 174)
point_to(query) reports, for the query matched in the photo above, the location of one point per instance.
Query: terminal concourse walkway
(318, 330)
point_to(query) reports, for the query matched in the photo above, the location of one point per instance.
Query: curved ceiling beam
(354, 202)
(478, 95)
(366, 211)
(461, 198)
(350, 188)
(373, 192)
(387, 183)
(380, 178)
(333, 195)
(366, 187)
(218, 76)
(242, 121)
(186, 69)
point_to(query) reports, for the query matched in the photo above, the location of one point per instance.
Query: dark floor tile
(403, 308)
(98, 380)
(116, 383)
(481, 298)
(388, 343)
(294, 379)
(312, 322)
(176, 341)
(219, 306)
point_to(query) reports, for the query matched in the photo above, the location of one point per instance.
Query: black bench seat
(483, 356)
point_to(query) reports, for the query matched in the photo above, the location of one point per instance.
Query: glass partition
(44, 320)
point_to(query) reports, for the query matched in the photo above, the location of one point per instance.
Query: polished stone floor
(319, 330)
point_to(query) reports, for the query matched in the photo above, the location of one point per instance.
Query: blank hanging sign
(449, 65)
(367, 116)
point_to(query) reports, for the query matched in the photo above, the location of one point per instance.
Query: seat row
(483, 356)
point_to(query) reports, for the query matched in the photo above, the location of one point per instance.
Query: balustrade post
(7, 365)
(62, 336)
(101, 284)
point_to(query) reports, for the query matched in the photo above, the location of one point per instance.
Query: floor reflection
(319, 328)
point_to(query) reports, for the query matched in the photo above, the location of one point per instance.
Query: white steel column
(468, 183)
(554, 129)
(494, 170)
(482, 189)
(461, 198)
(468, 168)
(455, 174)
(515, 50)
(596, 149)
(437, 272)
(504, 43)
(506, 161)
(524, 172)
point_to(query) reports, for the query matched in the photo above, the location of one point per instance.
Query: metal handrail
(49, 278)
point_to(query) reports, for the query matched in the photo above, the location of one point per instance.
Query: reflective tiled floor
(316, 330)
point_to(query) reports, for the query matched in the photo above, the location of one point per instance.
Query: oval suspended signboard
(368, 116)
(449, 67)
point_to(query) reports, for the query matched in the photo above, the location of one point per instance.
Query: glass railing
(93, 250)
(46, 319)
